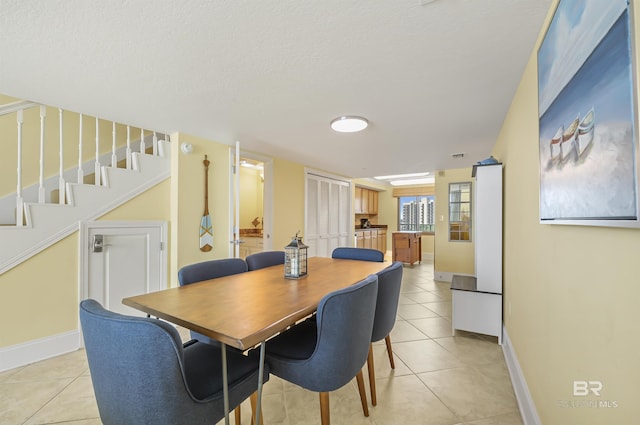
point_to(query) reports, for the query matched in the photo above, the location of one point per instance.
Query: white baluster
(19, 200)
(97, 162)
(80, 170)
(155, 144)
(41, 193)
(128, 147)
(61, 185)
(114, 157)
(143, 146)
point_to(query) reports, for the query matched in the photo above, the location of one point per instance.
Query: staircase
(41, 223)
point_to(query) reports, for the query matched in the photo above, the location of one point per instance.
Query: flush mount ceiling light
(401, 176)
(408, 179)
(407, 182)
(349, 124)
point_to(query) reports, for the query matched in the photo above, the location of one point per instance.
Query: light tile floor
(439, 379)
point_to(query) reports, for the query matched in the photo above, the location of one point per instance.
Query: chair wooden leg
(387, 339)
(372, 376)
(324, 408)
(238, 416)
(254, 403)
(363, 397)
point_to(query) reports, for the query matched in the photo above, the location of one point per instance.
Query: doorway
(122, 259)
(253, 201)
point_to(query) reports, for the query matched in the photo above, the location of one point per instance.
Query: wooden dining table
(246, 309)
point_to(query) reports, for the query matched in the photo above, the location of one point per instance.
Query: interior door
(123, 260)
(327, 214)
(239, 246)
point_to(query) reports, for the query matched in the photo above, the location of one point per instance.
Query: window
(460, 211)
(416, 213)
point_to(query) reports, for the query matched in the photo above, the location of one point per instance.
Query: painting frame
(587, 116)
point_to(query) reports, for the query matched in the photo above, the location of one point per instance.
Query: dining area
(439, 379)
(309, 321)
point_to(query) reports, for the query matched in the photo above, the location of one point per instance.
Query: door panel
(327, 215)
(131, 262)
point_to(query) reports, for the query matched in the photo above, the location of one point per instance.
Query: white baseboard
(446, 276)
(427, 256)
(525, 402)
(442, 276)
(39, 349)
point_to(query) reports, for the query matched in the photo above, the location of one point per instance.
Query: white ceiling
(433, 77)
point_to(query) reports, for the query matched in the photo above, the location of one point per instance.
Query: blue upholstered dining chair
(206, 270)
(325, 354)
(142, 373)
(260, 260)
(364, 254)
(389, 283)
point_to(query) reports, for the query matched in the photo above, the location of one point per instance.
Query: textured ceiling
(433, 78)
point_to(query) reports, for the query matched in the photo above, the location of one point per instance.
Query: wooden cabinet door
(367, 238)
(359, 239)
(382, 240)
(365, 201)
(358, 200)
(374, 239)
(373, 201)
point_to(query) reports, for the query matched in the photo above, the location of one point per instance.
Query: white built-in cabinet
(328, 215)
(477, 300)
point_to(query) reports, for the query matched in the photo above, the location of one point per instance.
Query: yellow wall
(187, 201)
(570, 292)
(451, 257)
(288, 201)
(39, 297)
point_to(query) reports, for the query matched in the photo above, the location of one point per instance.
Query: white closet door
(327, 214)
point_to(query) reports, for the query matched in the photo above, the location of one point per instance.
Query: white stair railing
(61, 182)
(19, 200)
(41, 191)
(80, 170)
(97, 162)
(38, 192)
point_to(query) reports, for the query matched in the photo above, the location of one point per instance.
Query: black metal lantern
(295, 259)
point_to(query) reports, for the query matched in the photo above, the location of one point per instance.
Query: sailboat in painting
(578, 135)
(585, 132)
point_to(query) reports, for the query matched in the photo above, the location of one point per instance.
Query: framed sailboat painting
(587, 119)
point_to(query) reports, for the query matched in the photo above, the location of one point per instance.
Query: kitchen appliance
(364, 223)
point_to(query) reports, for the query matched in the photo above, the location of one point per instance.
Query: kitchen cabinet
(407, 247)
(382, 240)
(357, 205)
(373, 202)
(366, 201)
(372, 238)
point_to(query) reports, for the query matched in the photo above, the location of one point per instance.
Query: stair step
(48, 223)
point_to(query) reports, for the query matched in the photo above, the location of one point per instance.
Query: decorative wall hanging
(587, 123)
(206, 231)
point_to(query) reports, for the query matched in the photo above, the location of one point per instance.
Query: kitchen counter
(373, 226)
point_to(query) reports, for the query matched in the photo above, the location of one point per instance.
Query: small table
(246, 309)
